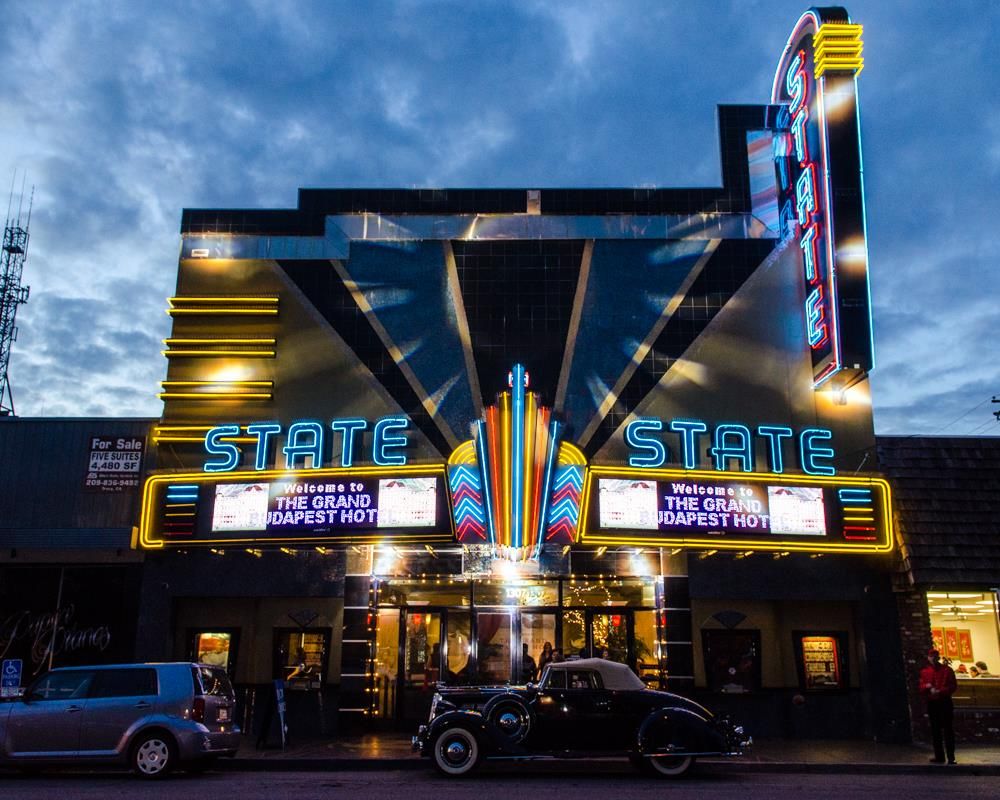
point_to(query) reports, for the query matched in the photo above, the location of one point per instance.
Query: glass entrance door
(538, 640)
(493, 646)
(609, 635)
(421, 662)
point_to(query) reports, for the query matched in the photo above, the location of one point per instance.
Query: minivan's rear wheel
(670, 766)
(153, 755)
(456, 752)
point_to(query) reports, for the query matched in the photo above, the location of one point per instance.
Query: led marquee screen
(732, 510)
(335, 505)
(692, 505)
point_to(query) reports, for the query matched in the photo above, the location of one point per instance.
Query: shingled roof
(947, 501)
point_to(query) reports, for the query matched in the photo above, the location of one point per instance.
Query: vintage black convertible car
(580, 708)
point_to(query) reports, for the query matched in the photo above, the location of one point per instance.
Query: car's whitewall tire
(670, 766)
(456, 752)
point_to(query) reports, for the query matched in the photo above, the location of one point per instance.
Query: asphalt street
(494, 783)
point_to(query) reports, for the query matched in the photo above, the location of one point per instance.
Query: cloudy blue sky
(124, 113)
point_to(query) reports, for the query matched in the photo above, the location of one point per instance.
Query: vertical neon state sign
(808, 215)
(819, 171)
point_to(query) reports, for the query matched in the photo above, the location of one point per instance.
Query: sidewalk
(392, 751)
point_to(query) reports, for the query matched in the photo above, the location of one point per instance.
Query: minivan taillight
(198, 710)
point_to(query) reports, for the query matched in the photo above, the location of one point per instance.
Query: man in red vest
(937, 685)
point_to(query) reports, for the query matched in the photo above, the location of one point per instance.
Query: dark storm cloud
(124, 113)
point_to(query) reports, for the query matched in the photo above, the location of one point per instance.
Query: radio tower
(12, 293)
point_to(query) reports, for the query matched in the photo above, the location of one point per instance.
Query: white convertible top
(613, 675)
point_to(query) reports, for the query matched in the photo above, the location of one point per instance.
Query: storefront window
(822, 660)
(647, 664)
(591, 592)
(493, 646)
(964, 628)
(732, 660)
(421, 662)
(301, 656)
(422, 650)
(537, 630)
(216, 648)
(574, 633)
(611, 637)
(459, 648)
(386, 663)
(427, 592)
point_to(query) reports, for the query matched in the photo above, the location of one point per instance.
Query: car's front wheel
(456, 752)
(153, 755)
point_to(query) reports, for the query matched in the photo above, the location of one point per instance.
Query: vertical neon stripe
(831, 273)
(505, 466)
(538, 477)
(530, 420)
(547, 483)
(517, 456)
(487, 478)
(493, 441)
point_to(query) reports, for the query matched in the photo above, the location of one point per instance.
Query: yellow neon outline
(215, 396)
(231, 340)
(185, 427)
(465, 453)
(180, 433)
(268, 312)
(165, 384)
(217, 353)
(244, 299)
(838, 46)
(884, 545)
(201, 439)
(571, 455)
(148, 541)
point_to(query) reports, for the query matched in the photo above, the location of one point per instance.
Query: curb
(590, 767)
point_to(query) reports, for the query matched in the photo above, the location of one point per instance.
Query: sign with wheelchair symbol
(10, 677)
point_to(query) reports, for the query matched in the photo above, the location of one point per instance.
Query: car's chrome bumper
(417, 742)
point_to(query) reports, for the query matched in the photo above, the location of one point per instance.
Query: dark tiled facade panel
(727, 270)
(320, 282)
(518, 298)
(946, 493)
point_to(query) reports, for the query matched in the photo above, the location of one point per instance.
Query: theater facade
(421, 436)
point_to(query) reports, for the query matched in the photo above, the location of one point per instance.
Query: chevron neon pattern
(467, 503)
(516, 486)
(564, 505)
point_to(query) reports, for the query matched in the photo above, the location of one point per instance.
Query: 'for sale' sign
(114, 463)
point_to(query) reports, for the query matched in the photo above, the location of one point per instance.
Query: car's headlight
(434, 703)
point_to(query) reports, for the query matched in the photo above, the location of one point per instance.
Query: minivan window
(212, 681)
(124, 683)
(70, 685)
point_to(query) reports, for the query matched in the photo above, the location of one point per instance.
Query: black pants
(941, 713)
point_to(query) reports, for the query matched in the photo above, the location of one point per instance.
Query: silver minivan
(152, 717)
